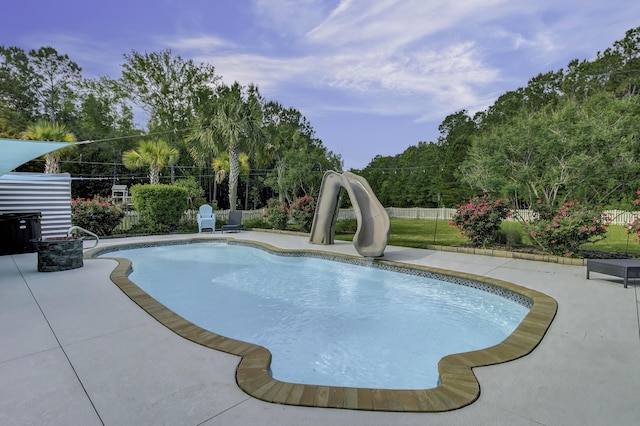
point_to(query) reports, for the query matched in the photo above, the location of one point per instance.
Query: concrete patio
(76, 350)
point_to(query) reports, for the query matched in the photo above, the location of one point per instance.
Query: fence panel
(618, 217)
(131, 217)
(521, 214)
(621, 217)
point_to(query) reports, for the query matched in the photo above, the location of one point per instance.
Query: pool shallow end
(458, 388)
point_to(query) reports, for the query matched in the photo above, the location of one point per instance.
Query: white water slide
(372, 232)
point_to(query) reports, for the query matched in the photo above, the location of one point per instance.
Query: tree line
(568, 134)
(197, 127)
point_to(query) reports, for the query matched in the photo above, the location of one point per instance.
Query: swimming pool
(326, 323)
(253, 374)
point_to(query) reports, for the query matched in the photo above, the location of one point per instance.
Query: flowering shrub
(480, 219)
(564, 231)
(634, 227)
(277, 213)
(96, 215)
(302, 211)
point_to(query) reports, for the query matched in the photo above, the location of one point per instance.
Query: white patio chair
(206, 218)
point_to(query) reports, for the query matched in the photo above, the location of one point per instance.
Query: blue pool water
(325, 322)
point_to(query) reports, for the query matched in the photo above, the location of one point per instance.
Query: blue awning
(16, 152)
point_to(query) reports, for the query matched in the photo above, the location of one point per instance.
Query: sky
(373, 77)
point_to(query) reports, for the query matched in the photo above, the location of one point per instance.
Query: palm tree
(46, 131)
(221, 167)
(236, 124)
(153, 154)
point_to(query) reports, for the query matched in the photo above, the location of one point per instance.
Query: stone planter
(59, 254)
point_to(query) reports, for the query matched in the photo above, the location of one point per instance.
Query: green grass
(419, 233)
(617, 241)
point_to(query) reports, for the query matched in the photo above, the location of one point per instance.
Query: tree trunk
(280, 168)
(154, 174)
(246, 194)
(234, 172)
(215, 192)
(51, 164)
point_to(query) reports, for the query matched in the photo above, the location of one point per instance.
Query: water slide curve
(372, 231)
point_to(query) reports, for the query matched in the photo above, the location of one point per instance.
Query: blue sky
(372, 76)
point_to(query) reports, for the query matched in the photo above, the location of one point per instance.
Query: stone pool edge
(458, 386)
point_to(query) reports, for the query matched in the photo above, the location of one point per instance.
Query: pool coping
(458, 385)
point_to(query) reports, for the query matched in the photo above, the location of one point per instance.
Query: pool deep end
(458, 388)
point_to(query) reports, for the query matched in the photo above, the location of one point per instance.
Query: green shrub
(479, 220)
(511, 233)
(277, 213)
(160, 206)
(96, 215)
(195, 193)
(302, 211)
(257, 223)
(347, 226)
(188, 227)
(634, 226)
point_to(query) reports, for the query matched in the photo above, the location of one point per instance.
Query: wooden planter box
(59, 254)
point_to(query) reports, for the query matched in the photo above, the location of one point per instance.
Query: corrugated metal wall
(49, 194)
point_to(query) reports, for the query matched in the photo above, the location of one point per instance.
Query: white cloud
(389, 57)
(385, 83)
(203, 42)
(418, 71)
(266, 72)
(384, 58)
(420, 82)
(394, 22)
(97, 58)
(290, 17)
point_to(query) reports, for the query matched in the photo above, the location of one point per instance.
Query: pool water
(325, 322)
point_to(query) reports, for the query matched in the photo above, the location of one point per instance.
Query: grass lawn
(617, 241)
(413, 233)
(418, 233)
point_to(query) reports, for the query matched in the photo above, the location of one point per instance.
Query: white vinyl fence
(618, 217)
(420, 213)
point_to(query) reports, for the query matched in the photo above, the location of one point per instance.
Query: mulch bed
(585, 254)
(594, 254)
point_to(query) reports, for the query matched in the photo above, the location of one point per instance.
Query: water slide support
(372, 232)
